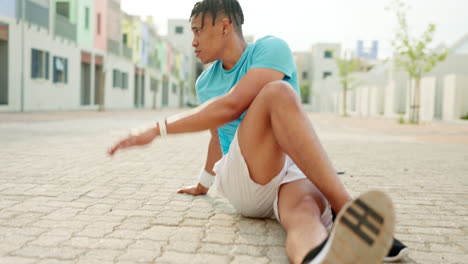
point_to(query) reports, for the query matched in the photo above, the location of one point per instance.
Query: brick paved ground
(62, 200)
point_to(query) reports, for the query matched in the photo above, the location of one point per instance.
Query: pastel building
(179, 33)
(84, 54)
(65, 16)
(8, 16)
(120, 78)
(39, 61)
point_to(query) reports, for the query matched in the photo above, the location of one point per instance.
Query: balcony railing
(64, 28)
(113, 47)
(35, 13)
(127, 52)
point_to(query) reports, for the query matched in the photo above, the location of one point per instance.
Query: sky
(303, 23)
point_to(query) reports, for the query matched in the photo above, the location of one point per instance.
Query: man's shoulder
(270, 40)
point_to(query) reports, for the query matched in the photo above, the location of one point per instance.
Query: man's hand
(194, 190)
(135, 140)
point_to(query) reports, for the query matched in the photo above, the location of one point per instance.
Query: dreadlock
(231, 8)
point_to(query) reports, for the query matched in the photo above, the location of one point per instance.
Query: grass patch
(401, 120)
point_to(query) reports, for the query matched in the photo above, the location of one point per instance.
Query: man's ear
(227, 26)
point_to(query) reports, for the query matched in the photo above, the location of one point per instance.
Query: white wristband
(206, 179)
(162, 128)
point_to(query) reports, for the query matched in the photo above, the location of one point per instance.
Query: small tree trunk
(154, 94)
(345, 91)
(417, 101)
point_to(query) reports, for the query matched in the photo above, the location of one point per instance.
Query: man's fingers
(119, 145)
(186, 191)
(191, 191)
(182, 190)
(124, 143)
(112, 150)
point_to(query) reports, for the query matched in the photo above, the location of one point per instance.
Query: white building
(324, 77)
(384, 90)
(443, 89)
(303, 65)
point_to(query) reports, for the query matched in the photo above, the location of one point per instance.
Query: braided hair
(230, 8)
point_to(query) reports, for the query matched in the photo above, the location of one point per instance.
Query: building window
(116, 78)
(125, 39)
(154, 85)
(305, 75)
(39, 64)
(326, 75)
(179, 30)
(63, 9)
(119, 79)
(98, 24)
(60, 70)
(124, 80)
(86, 17)
(174, 89)
(328, 54)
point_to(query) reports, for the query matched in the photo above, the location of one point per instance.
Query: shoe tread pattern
(363, 232)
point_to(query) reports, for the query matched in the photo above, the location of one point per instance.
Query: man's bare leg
(275, 125)
(300, 208)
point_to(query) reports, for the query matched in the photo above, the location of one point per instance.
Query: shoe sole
(363, 231)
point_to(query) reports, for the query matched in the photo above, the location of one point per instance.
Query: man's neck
(234, 51)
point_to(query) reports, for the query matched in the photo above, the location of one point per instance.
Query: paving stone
(214, 248)
(82, 242)
(222, 238)
(176, 257)
(183, 246)
(152, 245)
(249, 250)
(113, 243)
(105, 255)
(249, 259)
(16, 260)
(139, 255)
(33, 251)
(49, 241)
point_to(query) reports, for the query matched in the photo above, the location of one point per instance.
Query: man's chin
(202, 61)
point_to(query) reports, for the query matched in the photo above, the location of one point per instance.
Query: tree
(345, 68)
(305, 91)
(413, 54)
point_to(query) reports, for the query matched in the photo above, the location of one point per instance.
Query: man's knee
(305, 206)
(279, 91)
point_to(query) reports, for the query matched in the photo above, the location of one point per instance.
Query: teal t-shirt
(268, 52)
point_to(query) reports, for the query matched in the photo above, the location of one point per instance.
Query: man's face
(207, 41)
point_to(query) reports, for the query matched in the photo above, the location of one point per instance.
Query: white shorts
(249, 198)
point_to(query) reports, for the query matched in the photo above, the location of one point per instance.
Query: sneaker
(396, 253)
(362, 232)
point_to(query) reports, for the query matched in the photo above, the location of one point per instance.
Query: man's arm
(213, 113)
(226, 108)
(214, 154)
